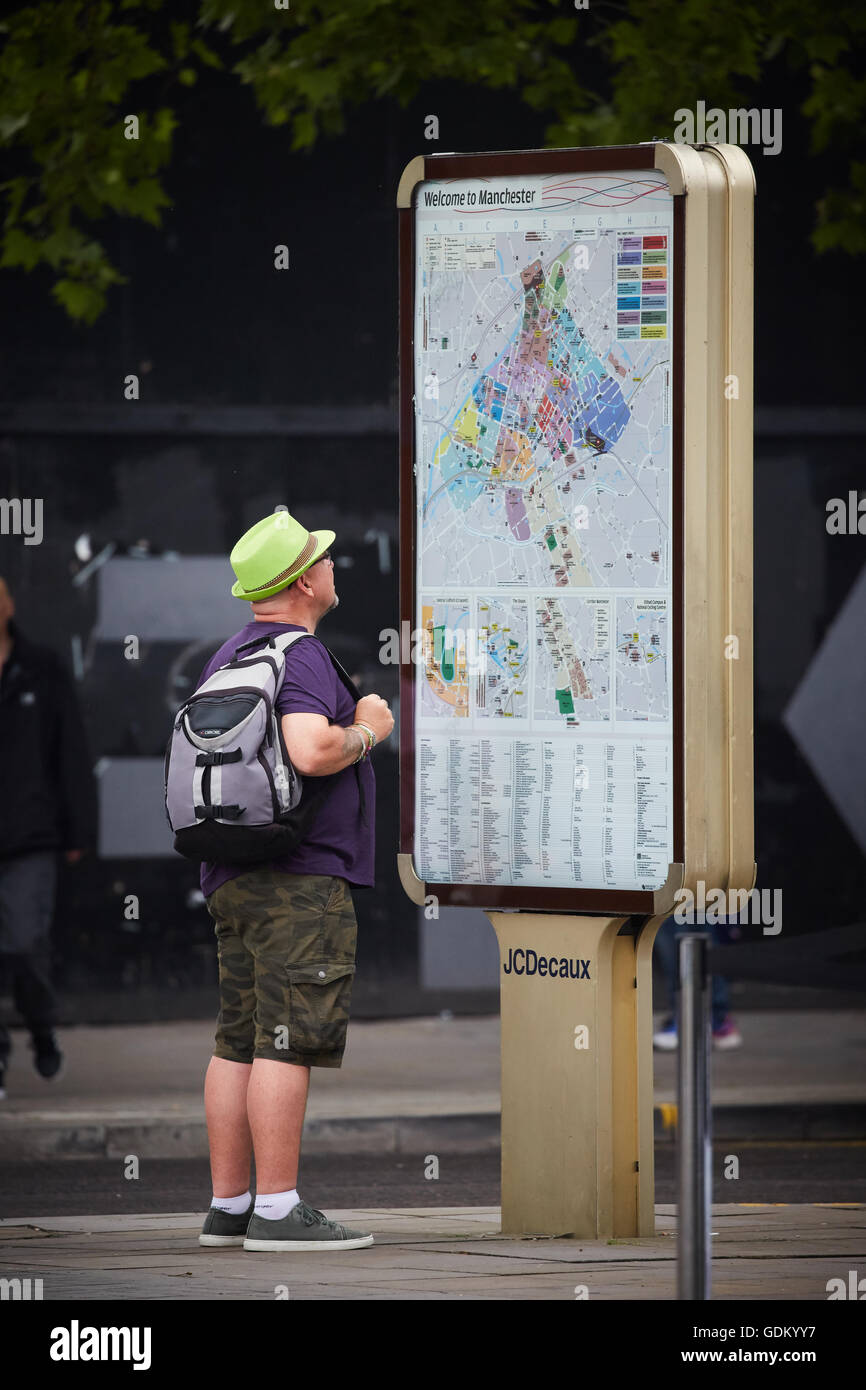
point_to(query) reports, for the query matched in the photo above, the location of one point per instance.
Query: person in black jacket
(48, 807)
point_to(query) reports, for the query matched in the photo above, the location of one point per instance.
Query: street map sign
(576, 388)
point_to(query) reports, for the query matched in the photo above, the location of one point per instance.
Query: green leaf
(180, 40)
(10, 125)
(145, 198)
(164, 124)
(80, 299)
(303, 131)
(207, 55)
(20, 249)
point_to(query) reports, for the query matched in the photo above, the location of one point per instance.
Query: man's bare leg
(225, 1104)
(276, 1102)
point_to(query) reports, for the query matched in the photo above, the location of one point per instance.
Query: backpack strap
(218, 759)
(283, 640)
(211, 812)
(344, 675)
(256, 642)
(275, 640)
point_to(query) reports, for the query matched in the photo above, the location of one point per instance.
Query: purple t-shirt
(338, 842)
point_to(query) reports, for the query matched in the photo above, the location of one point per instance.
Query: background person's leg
(726, 1034)
(720, 994)
(32, 990)
(27, 888)
(5, 985)
(665, 1038)
(720, 1001)
(27, 892)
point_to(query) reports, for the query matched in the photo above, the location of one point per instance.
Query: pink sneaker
(727, 1036)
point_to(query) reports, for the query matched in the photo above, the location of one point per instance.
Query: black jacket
(48, 796)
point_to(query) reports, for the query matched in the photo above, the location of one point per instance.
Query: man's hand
(373, 710)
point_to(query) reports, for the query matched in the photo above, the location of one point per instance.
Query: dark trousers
(667, 952)
(27, 888)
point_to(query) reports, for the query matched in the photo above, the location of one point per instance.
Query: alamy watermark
(755, 126)
(22, 516)
(452, 651)
(762, 906)
(77, 1343)
(846, 516)
(20, 1290)
(855, 1288)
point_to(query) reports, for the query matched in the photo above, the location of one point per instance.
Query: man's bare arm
(318, 748)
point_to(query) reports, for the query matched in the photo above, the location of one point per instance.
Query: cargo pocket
(319, 999)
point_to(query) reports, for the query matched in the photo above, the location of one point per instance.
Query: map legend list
(641, 286)
(592, 814)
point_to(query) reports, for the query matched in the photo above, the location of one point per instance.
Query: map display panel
(542, 339)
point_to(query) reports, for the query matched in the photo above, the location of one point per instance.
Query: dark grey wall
(187, 498)
(260, 387)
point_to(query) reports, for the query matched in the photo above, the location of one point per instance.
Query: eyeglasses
(327, 556)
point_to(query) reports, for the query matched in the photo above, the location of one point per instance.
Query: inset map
(641, 658)
(572, 666)
(445, 666)
(501, 689)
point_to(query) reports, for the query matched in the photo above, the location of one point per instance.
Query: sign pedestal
(523, 524)
(577, 1084)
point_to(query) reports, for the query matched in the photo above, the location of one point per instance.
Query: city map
(550, 461)
(543, 493)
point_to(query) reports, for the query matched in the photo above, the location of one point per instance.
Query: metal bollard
(694, 1134)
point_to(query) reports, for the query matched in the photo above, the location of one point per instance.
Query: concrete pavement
(760, 1252)
(413, 1085)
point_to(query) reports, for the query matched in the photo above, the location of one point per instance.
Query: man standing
(49, 807)
(286, 930)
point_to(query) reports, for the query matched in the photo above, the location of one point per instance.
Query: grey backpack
(231, 792)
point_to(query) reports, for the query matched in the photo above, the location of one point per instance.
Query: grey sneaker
(221, 1228)
(303, 1229)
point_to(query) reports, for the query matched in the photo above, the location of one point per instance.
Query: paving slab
(760, 1252)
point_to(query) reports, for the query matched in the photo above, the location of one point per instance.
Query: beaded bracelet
(365, 746)
(360, 725)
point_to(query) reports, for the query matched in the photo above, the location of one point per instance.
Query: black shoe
(48, 1058)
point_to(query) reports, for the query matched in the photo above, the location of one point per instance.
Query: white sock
(235, 1206)
(273, 1206)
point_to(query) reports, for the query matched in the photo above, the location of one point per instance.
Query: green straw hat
(273, 553)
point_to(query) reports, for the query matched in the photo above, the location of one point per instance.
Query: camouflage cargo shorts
(286, 945)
